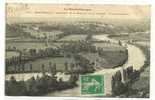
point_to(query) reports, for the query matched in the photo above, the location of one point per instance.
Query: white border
(84, 1)
(129, 2)
(152, 64)
(2, 43)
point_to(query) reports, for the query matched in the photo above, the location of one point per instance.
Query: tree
(73, 78)
(43, 69)
(23, 67)
(89, 36)
(117, 86)
(31, 69)
(15, 68)
(120, 43)
(54, 69)
(31, 86)
(130, 72)
(15, 88)
(66, 66)
(72, 67)
(50, 67)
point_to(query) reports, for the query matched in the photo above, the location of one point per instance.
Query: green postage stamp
(92, 84)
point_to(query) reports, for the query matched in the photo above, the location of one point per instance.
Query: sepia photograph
(77, 50)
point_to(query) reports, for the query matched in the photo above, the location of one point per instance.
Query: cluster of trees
(19, 68)
(71, 49)
(47, 52)
(38, 86)
(13, 60)
(86, 66)
(118, 86)
(131, 75)
(77, 47)
(32, 54)
(11, 48)
(82, 65)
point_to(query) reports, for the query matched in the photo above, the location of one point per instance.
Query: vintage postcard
(84, 50)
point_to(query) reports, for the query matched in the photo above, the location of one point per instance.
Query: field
(137, 36)
(109, 46)
(114, 58)
(10, 54)
(111, 59)
(42, 34)
(108, 58)
(73, 38)
(29, 45)
(37, 64)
